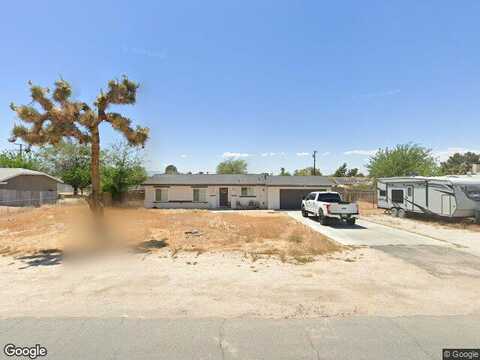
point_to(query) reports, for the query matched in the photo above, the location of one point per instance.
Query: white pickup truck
(327, 205)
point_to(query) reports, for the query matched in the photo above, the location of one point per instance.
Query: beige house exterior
(250, 191)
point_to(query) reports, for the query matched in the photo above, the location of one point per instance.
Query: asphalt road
(402, 338)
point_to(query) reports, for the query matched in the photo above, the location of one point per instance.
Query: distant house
(353, 181)
(23, 187)
(251, 191)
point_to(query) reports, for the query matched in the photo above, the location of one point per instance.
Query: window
(330, 198)
(397, 196)
(311, 196)
(472, 192)
(161, 195)
(382, 193)
(247, 192)
(409, 191)
(200, 195)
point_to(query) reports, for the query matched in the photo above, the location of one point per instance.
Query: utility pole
(20, 145)
(314, 155)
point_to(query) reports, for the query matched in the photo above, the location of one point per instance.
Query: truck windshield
(473, 192)
(331, 198)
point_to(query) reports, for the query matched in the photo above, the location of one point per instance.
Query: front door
(410, 199)
(223, 197)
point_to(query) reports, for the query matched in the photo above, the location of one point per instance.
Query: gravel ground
(363, 281)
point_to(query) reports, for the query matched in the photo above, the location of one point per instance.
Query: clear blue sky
(265, 80)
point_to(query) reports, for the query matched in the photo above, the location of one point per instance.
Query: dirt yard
(254, 233)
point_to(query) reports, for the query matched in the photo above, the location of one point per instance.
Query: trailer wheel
(394, 212)
(324, 220)
(351, 221)
(401, 213)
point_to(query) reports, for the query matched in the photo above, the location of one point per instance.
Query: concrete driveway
(366, 233)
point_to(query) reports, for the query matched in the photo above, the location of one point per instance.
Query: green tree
(459, 164)
(341, 171)
(403, 160)
(13, 159)
(232, 167)
(283, 172)
(69, 161)
(171, 170)
(58, 117)
(354, 172)
(123, 168)
(308, 171)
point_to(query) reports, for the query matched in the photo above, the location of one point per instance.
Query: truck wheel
(401, 213)
(394, 212)
(351, 221)
(304, 213)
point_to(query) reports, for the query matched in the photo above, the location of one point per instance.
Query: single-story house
(250, 191)
(23, 187)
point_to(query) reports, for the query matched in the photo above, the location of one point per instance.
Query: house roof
(9, 173)
(299, 181)
(248, 179)
(206, 179)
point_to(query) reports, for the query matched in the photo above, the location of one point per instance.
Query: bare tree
(57, 117)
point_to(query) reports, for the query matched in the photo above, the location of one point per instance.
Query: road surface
(402, 338)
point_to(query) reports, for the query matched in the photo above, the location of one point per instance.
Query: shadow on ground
(148, 246)
(45, 257)
(337, 224)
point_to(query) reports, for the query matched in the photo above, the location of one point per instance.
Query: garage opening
(291, 199)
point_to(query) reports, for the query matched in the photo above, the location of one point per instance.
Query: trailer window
(472, 192)
(397, 196)
(382, 193)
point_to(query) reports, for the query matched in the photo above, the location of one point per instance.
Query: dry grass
(368, 208)
(255, 233)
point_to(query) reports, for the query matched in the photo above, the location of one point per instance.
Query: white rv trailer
(446, 196)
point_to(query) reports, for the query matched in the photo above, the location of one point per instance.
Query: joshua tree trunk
(96, 196)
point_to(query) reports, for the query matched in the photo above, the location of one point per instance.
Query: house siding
(182, 197)
(30, 183)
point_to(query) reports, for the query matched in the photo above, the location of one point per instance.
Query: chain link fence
(15, 201)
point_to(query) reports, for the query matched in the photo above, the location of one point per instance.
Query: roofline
(199, 185)
(39, 173)
(269, 185)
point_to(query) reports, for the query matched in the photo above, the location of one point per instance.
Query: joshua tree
(59, 117)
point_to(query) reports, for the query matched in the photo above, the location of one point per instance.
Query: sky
(264, 81)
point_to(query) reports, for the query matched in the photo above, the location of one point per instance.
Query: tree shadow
(45, 257)
(148, 246)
